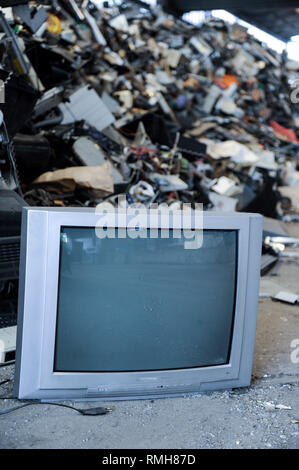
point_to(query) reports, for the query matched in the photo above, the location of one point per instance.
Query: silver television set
(112, 311)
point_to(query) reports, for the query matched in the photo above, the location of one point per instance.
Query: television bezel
(37, 314)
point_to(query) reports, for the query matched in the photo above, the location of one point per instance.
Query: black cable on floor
(5, 382)
(8, 363)
(86, 412)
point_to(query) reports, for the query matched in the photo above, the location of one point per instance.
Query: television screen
(144, 304)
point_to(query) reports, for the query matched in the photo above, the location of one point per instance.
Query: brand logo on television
(138, 221)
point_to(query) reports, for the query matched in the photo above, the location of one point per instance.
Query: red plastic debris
(289, 133)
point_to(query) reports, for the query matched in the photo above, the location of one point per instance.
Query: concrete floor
(278, 325)
(245, 418)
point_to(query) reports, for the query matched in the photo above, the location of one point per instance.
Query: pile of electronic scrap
(102, 100)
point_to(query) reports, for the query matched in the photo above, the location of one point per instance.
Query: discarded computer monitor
(10, 233)
(113, 310)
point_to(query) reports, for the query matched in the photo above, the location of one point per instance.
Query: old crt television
(134, 314)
